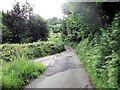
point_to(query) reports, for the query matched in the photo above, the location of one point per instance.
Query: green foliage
(55, 28)
(54, 24)
(54, 21)
(90, 56)
(17, 68)
(74, 29)
(88, 16)
(37, 29)
(11, 52)
(102, 58)
(21, 25)
(55, 37)
(71, 44)
(110, 41)
(17, 74)
(100, 52)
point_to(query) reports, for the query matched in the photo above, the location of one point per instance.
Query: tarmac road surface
(64, 70)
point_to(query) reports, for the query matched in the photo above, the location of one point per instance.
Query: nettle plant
(110, 41)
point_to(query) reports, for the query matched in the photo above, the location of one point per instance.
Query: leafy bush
(16, 74)
(111, 40)
(102, 58)
(91, 59)
(55, 28)
(74, 28)
(11, 52)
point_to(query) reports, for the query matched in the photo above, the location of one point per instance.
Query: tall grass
(16, 74)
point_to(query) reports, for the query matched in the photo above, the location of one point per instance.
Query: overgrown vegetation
(25, 37)
(17, 74)
(73, 28)
(93, 29)
(54, 24)
(18, 68)
(98, 46)
(11, 52)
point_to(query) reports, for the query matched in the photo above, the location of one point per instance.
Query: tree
(73, 28)
(95, 15)
(15, 22)
(54, 21)
(54, 24)
(20, 27)
(37, 28)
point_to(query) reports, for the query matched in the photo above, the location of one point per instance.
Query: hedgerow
(101, 56)
(11, 52)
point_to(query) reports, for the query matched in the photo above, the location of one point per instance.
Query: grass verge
(17, 74)
(102, 73)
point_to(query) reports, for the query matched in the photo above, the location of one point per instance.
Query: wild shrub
(12, 52)
(74, 28)
(16, 74)
(102, 58)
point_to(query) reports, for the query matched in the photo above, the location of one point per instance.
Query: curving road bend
(64, 70)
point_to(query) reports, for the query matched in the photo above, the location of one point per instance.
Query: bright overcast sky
(45, 8)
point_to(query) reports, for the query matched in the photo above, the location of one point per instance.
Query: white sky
(45, 8)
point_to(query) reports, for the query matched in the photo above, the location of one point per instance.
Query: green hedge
(101, 56)
(11, 52)
(89, 57)
(103, 69)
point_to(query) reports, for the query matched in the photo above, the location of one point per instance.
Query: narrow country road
(64, 70)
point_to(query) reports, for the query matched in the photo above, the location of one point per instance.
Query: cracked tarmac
(64, 70)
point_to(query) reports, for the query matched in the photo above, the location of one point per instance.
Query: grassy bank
(17, 74)
(18, 69)
(102, 69)
(89, 57)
